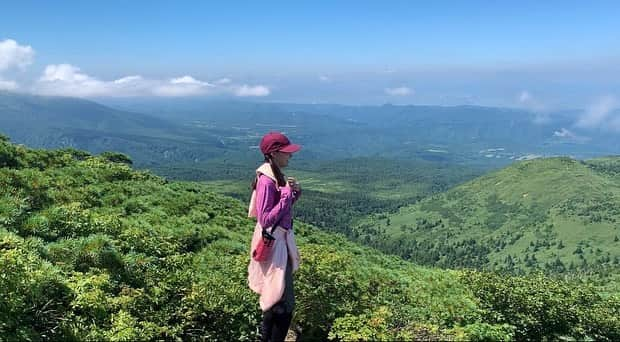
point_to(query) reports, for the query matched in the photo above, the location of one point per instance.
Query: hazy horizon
(536, 56)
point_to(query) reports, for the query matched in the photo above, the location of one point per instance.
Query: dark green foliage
(116, 157)
(34, 298)
(93, 250)
(541, 307)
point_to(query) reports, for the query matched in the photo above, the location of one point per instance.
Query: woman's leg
(275, 324)
(266, 326)
(281, 324)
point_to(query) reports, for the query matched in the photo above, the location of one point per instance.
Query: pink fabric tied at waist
(267, 278)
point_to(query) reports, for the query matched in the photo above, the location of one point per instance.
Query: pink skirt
(267, 278)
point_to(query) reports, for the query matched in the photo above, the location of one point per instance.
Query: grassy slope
(339, 193)
(97, 251)
(524, 209)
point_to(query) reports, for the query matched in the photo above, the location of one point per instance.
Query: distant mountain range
(195, 130)
(47, 122)
(464, 134)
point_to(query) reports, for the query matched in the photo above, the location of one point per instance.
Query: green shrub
(33, 296)
(543, 308)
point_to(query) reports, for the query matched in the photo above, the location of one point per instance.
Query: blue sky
(550, 53)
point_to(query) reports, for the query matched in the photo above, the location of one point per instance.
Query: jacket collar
(265, 169)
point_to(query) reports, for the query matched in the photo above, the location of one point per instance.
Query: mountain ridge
(543, 209)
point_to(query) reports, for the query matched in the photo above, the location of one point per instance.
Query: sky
(540, 55)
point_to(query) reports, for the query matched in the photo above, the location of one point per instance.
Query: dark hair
(276, 172)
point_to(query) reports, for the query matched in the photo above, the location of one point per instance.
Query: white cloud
(190, 81)
(258, 90)
(14, 55)
(183, 86)
(63, 73)
(564, 133)
(569, 135)
(324, 78)
(8, 85)
(69, 80)
(399, 91)
(128, 79)
(598, 115)
(527, 101)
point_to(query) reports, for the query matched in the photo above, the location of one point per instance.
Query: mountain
(69, 122)
(65, 112)
(93, 250)
(554, 214)
(461, 134)
(192, 131)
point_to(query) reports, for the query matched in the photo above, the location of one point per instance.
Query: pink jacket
(267, 278)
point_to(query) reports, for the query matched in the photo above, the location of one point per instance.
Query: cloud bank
(8, 85)
(527, 101)
(69, 80)
(13, 56)
(600, 114)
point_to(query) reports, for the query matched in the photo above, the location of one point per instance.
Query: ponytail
(276, 172)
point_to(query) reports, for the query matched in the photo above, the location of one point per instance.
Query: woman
(272, 199)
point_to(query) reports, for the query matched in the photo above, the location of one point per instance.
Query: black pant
(275, 323)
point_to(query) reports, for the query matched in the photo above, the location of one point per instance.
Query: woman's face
(281, 158)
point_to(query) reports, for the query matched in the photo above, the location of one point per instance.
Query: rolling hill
(93, 250)
(48, 122)
(555, 214)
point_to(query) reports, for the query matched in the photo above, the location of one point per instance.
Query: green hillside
(92, 250)
(337, 193)
(555, 214)
(53, 122)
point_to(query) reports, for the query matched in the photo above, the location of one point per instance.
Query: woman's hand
(292, 182)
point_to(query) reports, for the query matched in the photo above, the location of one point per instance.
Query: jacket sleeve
(269, 210)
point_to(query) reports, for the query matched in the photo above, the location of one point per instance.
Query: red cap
(275, 141)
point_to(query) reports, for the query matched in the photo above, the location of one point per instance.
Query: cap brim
(291, 148)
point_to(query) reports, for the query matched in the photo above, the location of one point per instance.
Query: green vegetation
(555, 215)
(93, 250)
(336, 194)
